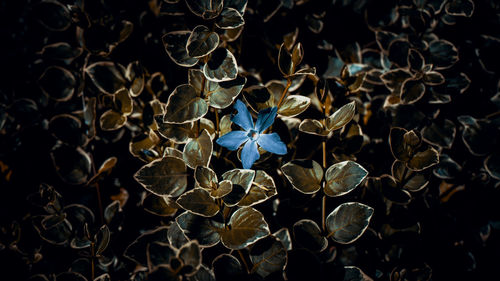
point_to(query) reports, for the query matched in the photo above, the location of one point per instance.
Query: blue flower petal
(233, 139)
(272, 143)
(265, 119)
(243, 117)
(249, 154)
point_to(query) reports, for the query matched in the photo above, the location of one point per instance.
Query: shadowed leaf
(175, 45)
(184, 105)
(262, 188)
(198, 151)
(107, 76)
(190, 254)
(163, 176)
(314, 127)
(348, 222)
(268, 255)
(308, 234)
(203, 229)
(198, 201)
(207, 9)
(159, 253)
(424, 158)
(57, 83)
(412, 91)
(304, 175)
(72, 165)
(229, 19)
(246, 226)
(201, 42)
(353, 273)
(112, 120)
(221, 66)
(227, 267)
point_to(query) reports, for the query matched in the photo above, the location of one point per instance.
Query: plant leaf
(268, 255)
(304, 175)
(57, 83)
(221, 66)
(246, 226)
(107, 76)
(341, 117)
(262, 188)
(201, 42)
(313, 127)
(230, 18)
(198, 201)
(175, 46)
(207, 9)
(308, 234)
(184, 105)
(294, 105)
(205, 230)
(163, 176)
(198, 151)
(343, 177)
(348, 222)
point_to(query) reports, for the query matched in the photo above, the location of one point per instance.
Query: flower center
(253, 135)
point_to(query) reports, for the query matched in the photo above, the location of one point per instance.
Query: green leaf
(223, 94)
(313, 127)
(207, 9)
(284, 236)
(423, 159)
(230, 19)
(412, 91)
(190, 254)
(159, 253)
(341, 117)
(392, 191)
(343, 177)
(241, 177)
(262, 188)
(440, 132)
(268, 255)
(227, 267)
(102, 239)
(107, 76)
(443, 54)
(162, 206)
(201, 42)
(175, 45)
(178, 133)
(353, 273)
(205, 178)
(464, 8)
(304, 175)
(112, 120)
(224, 188)
(72, 165)
(348, 222)
(308, 234)
(221, 66)
(57, 83)
(184, 105)
(198, 201)
(205, 230)
(198, 151)
(294, 105)
(413, 181)
(246, 226)
(163, 176)
(285, 63)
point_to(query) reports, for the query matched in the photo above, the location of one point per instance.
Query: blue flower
(252, 134)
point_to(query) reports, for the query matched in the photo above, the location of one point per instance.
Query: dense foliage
(249, 140)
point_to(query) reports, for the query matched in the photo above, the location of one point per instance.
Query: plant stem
(285, 92)
(244, 261)
(323, 199)
(217, 126)
(92, 262)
